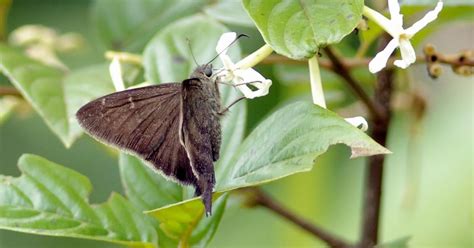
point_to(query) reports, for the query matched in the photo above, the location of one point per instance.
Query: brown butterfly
(174, 126)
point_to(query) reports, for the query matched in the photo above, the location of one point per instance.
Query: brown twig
(260, 198)
(4, 8)
(350, 63)
(374, 169)
(341, 69)
(9, 91)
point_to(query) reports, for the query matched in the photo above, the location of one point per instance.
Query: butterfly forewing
(144, 121)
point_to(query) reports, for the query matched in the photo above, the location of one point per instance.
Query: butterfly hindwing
(144, 121)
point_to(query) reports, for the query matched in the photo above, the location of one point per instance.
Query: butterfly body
(175, 127)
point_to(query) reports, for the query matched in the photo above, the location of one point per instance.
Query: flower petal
(115, 71)
(380, 60)
(255, 79)
(394, 9)
(429, 17)
(408, 54)
(224, 41)
(358, 122)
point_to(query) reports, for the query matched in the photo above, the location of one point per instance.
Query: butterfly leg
(223, 111)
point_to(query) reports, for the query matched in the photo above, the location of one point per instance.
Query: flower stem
(255, 57)
(316, 85)
(380, 19)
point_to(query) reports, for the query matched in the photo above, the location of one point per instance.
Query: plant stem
(260, 198)
(374, 168)
(255, 57)
(316, 84)
(343, 71)
(4, 7)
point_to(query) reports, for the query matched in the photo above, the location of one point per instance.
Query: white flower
(115, 71)
(358, 122)
(401, 36)
(241, 76)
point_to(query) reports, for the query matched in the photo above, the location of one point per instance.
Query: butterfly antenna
(236, 39)
(191, 50)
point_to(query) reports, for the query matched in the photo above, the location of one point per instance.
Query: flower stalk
(316, 82)
(255, 57)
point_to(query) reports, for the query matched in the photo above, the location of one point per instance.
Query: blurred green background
(428, 180)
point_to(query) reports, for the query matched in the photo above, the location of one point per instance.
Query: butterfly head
(203, 72)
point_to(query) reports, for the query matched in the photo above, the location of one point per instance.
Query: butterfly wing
(144, 121)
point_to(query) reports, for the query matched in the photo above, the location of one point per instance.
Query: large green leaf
(297, 29)
(230, 12)
(42, 86)
(49, 199)
(167, 58)
(289, 141)
(129, 25)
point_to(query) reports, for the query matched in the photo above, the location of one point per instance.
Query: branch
(374, 169)
(351, 63)
(341, 69)
(9, 91)
(260, 198)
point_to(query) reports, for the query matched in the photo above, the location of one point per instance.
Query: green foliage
(297, 29)
(167, 57)
(289, 141)
(50, 199)
(41, 85)
(129, 25)
(182, 223)
(55, 94)
(229, 12)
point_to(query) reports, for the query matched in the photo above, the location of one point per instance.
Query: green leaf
(53, 93)
(229, 12)
(129, 25)
(145, 188)
(49, 199)
(184, 221)
(297, 29)
(41, 85)
(289, 141)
